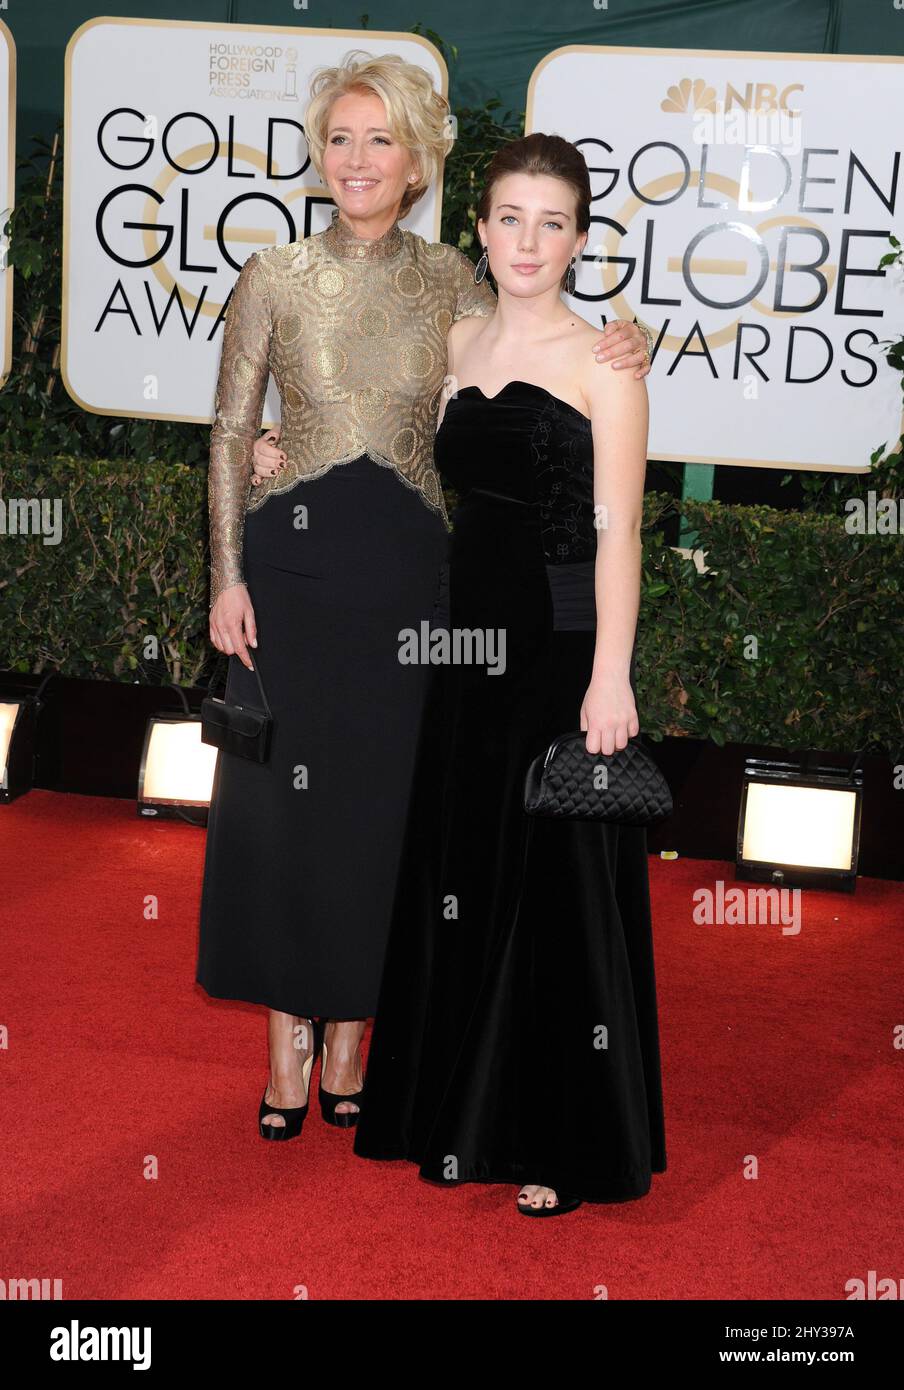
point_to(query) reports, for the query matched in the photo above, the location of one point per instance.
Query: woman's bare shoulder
(466, 328)
(460, 339)
(600, 379)
(584, 333)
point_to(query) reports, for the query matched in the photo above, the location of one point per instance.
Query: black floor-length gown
(302, 850)
(516, 1036)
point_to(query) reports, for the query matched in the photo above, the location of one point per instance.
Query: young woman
(516, 1034)
(319, 569)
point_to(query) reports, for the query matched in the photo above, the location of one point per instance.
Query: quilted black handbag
(567, 782)
(237, 728)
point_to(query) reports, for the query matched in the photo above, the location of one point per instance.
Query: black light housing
(799, 824)
(19, 711)
(177, 769)
(18, 725)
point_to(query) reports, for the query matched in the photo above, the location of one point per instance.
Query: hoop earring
(570, 278)
(482, 267)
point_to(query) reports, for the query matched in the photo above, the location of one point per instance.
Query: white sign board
(184, 153)
(741, 204)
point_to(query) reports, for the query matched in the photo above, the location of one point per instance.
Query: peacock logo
(690, 96)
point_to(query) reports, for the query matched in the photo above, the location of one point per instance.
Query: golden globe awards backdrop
(7, 189)
(184, 153)
(741, 204)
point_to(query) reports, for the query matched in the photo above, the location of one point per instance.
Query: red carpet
(118, 1065)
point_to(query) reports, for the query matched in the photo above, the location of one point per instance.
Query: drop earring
(481, 267)
(570, 278)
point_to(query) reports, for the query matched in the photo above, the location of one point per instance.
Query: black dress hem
(279, 1008)
(516, 1174)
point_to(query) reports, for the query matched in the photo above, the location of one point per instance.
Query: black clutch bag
(625, 787)
(239, 729)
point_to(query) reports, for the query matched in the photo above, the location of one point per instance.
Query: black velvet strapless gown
(516, 1035)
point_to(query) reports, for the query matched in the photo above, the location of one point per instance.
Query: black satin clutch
(624, 787)
(239, 729)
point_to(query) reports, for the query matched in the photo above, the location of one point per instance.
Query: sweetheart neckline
(518, 382)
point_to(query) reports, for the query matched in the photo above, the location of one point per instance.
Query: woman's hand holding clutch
(232, 625)
(609, 714)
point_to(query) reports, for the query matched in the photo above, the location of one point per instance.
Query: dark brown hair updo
(541, 154)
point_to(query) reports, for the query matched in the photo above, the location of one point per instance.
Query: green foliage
(130, 565)
(826, 610)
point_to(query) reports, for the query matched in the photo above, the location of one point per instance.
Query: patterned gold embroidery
(417, 360)
(403, 446)
(288, 328)
(292, 396)
(354, 332)
(244, 369)
(329, 283)
(372, 402)
(409, 282)
(329, 362)
(373, 322)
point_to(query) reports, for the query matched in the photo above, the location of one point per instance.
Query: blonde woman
(319, 568)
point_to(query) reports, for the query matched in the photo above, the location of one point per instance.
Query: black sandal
(345, 1119)
(294, 1116)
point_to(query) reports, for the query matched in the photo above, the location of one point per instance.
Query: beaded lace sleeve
(239, 406)
(471, 298)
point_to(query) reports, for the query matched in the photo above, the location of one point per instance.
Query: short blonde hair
(416, 114)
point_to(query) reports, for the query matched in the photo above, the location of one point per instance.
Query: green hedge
(124, 596)
(131, 565)
(826, 609)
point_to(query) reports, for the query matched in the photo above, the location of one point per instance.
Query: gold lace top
(354, 332)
